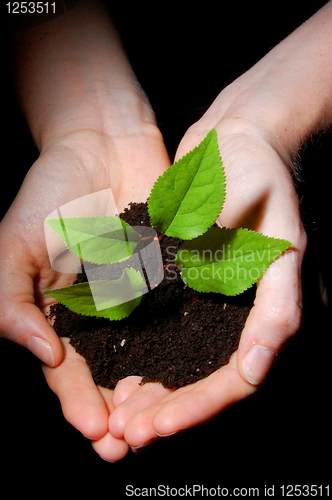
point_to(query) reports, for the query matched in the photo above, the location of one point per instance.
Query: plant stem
(167, 266)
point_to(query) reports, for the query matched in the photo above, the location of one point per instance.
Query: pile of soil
(176, 336)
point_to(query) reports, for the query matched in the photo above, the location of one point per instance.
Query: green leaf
(227, 261)
(107, 299)
(100, 240)
(187, 199)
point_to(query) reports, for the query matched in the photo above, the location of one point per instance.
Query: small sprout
(184, 203)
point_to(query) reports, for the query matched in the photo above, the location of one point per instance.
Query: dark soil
(176, 336)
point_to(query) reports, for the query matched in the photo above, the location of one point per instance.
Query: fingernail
(42, 349)
(137, 450)
(168, 435)
(257, 364)
(108, 461)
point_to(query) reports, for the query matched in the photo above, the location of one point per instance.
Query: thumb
(21, 321)
(26, 325)
(273, 320)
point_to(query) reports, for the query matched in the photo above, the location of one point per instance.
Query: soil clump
(176, 336)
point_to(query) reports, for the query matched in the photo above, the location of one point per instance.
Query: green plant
(184, 202)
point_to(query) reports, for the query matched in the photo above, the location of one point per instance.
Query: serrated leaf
(227, 261)
(100, 240)
(114, 300)
(187, 199)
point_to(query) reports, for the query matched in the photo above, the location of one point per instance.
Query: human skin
(95, 130)
(76, 88)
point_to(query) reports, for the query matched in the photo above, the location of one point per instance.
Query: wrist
(72, 74)
(276, 104)
(259, 111)
(250, 114)
(113, 113)
(286, 96)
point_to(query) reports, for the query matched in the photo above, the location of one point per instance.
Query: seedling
(184, 202)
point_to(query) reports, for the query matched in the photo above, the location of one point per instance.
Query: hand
(260, 196)
(76, 165)
(252, 117)
(262, 119)
(95, 130)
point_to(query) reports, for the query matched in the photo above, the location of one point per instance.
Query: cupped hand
(260, 196)
(72, 166)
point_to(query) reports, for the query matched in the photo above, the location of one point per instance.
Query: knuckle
(285, 317)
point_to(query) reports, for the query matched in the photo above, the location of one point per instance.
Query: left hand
(65, 171)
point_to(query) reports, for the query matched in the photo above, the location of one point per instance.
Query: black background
(183, 56)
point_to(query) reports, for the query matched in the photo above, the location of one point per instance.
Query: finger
(25, 324)
(145, 396)
(107, 396)
(189, 406)
(125, 388)
(21, 321)
(110, 449)
(82, 403)
(274, 319)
